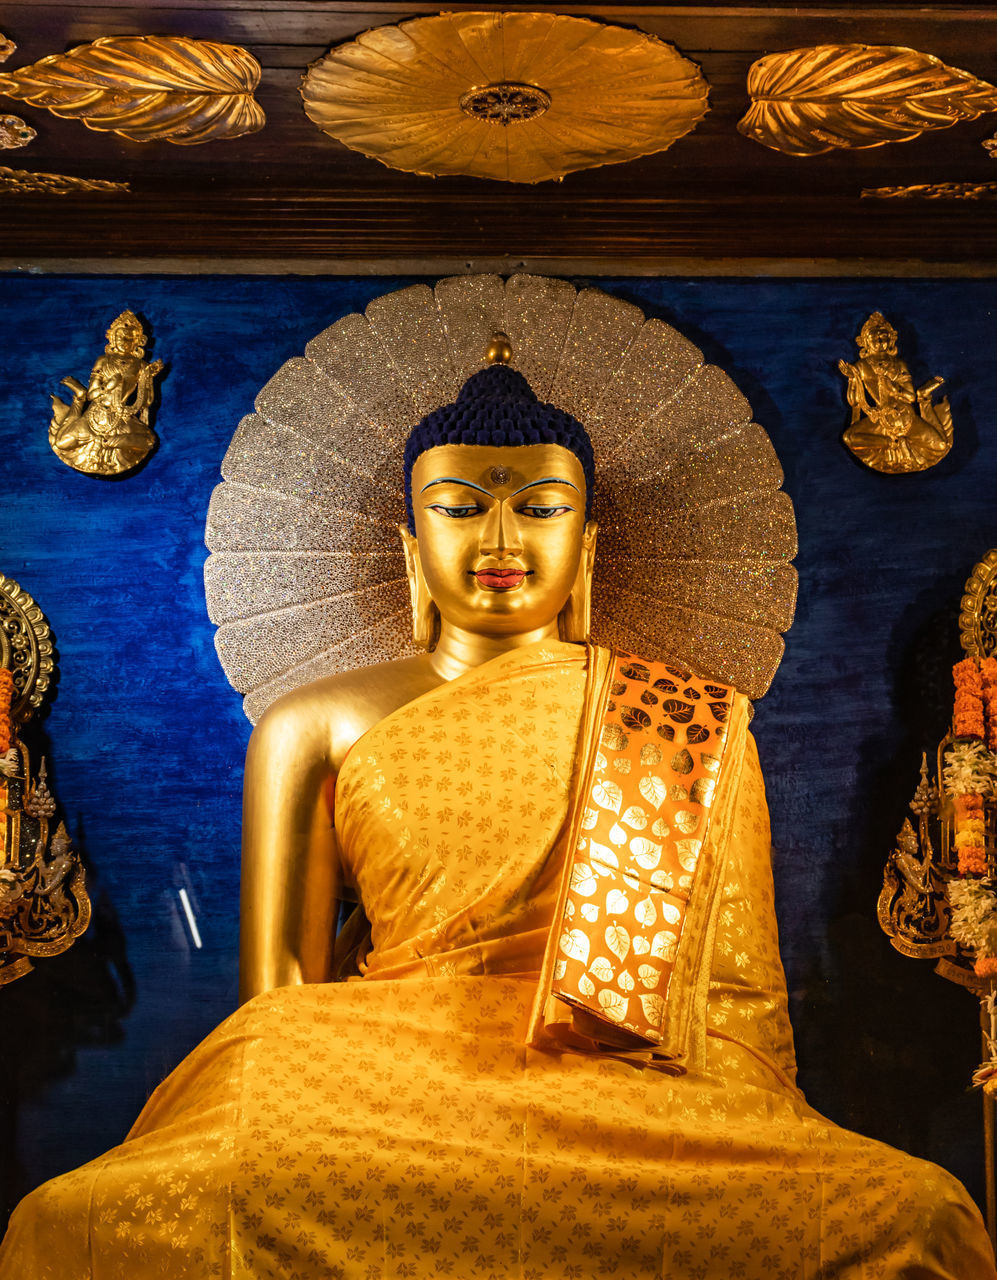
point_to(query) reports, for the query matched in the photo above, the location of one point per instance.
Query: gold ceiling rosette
(306, 575)
(520, 97)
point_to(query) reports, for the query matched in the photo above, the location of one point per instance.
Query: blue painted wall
(146, 739)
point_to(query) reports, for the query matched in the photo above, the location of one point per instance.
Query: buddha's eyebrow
(454, 480)
(546, 480)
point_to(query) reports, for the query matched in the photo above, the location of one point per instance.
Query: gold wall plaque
(807, 101)
(894, 428)
(520, 97)
(105, 430)
(147, 88)
(26, 182)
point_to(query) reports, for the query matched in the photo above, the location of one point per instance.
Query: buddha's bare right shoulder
(327, 716)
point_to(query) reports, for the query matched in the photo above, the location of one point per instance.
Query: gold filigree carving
(915, 905)
(44, 905)
(147, 88)
(894, 428)
(505, 103)
(7, 47)
(978, 613)
(425, 96)
(25, 182)
(105, 430)
(912, 908)
(807, 101)
(935, 191)
(15, 132)
(25, 648)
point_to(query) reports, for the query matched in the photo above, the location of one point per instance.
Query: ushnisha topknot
(497, 406)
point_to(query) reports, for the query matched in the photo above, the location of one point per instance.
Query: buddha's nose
(500, 535)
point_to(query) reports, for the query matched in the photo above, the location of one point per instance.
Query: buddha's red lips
(500, 579)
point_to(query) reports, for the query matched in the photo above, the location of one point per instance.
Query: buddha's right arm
(290, 863)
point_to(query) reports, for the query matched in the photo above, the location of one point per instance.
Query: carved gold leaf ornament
(7, 47)
(519, 97)
(26, 182)
(147, 88)
(934, 191)
(14, 133)
(808, 101)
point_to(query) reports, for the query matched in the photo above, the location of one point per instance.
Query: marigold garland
(6, 702)
(988, 673)
(969, 777)
(967, 719)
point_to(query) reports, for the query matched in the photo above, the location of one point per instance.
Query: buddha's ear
(575, 619)
(425, 615)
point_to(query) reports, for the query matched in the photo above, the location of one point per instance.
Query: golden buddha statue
(565, 1048)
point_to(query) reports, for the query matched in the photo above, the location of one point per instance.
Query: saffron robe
(403, 1125)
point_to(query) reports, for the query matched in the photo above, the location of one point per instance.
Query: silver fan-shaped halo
(306, 576)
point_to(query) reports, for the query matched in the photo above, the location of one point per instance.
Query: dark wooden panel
(291, 190)
(365, 227)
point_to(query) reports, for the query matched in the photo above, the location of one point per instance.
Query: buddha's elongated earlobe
(425, 615)
(575, 619)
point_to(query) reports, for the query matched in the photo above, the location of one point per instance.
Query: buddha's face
(500, 532)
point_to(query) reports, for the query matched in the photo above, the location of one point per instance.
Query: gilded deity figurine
(563, 1049)
(894, 428)
(105, 430)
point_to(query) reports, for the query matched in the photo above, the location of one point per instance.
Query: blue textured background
(146, 739)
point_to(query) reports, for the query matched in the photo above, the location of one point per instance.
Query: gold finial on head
(499, 349)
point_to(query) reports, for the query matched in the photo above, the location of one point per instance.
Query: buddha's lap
(365, 1129)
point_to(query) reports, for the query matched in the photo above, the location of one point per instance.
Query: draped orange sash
(634, 917)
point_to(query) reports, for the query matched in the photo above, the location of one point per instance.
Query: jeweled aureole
(307, 577)
(105, 430)
(811, 100)
(520, 97)
(894, 428)
(147, 88)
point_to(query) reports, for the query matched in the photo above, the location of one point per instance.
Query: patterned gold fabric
(399, 1125)
(640, 884)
